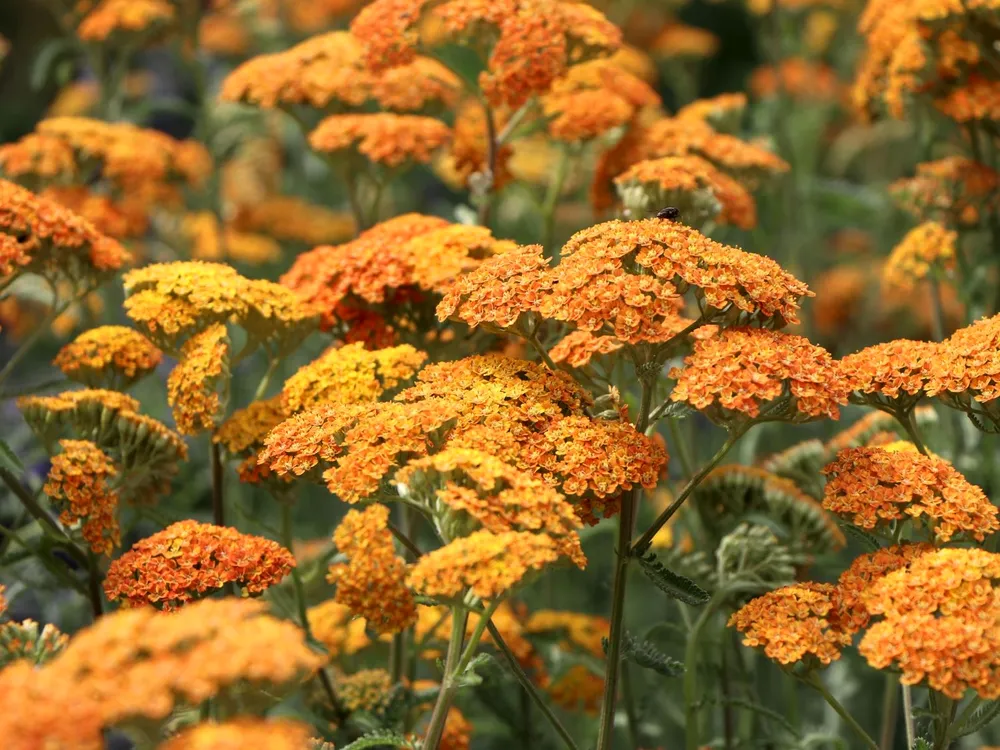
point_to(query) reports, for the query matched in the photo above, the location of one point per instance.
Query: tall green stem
(552, 199)
(435, 730)
(218, 494)
(813, 681)
(642, 544)
(626, 522)
(94, 585)
(691, 718)
(42, 328)
(890, 712)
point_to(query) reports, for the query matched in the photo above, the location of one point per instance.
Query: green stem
(435, 729)
(911, 729)
(910, 425)
(691, 718)
(890, 712)
(626, 522)
(682, 451)
(642, 544)
(966, 714)
(551, 200)
(813, 681)
(628, 700)
(272, 367)
(529, 686)
(94, 586)
(492, 147)
(937, 308)
(218, 494)
(42, 328)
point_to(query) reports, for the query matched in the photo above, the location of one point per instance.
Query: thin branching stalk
(890, 712)
(218, 490)
(813, 681)
(691, 717)
(551, 200)
(435, 730)
(42, 329)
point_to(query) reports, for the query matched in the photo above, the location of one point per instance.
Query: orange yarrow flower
(124, 17)
(192, 388)
(188, 559)
(793, 624)
(927, 249)
(383, 138)
(874, 485)
(850, 612)
(82, 478)
(742, 371)
(895, 374)
(371, 583)
(956, 191)
(108, 356)
(234, 734)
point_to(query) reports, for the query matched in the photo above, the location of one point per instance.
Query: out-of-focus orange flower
(224, 33)
(722, 112)
(193, 383)
(744, 370)
(581, 631)
(212, 242)
(286, 217)
(366, 690)
(244, 432)
(692, 185)
(40, 236)
(796, 78)
(125, 17)
(122, 218)
(335, 626)
(926, 249)
(108, 356)
(234, 734)
(468, 152)
(383, 138)
(679, 40)
(874, 485)
(189, 559)
(371, 582)
(955, 191)
(578, 689)
(793, 624)
(840, 293)
(82, 477)
(977, 100)
(939, 622)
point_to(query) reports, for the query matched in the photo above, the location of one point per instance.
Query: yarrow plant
(451, 375)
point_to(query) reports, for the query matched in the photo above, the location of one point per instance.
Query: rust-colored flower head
(272, 734)
(850, 612)
(747, 373)
(500, 290)
(192, 388)
(723, 112)
(371, 582)
(108, 356)
(793, 624)
(893, 375)
(699, 190)
(189, 559)
(873, 486)
(978, 100)
(384, 138)
(955, 191)
(111, 21)
(466, 489)
(40, 236)
(927, 249)
(938, 622)
(350, 374)
(487, 564)
(82, 481)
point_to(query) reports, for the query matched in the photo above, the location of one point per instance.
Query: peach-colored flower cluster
(384, 138)
(578, 348)
(189, 559)
(850, 612)
(579, 688)
(722, 112)
(193, 383)
(140, 663)
(939, 622)
(371, 582)
(40, 236)
(955, 191)
(681, 41)
(927, 249)
(533, 41)
(966, 372)
(894, 374)
(872, 486)
(581, 631)
(111, 356)
(82, 479)
(742, 372)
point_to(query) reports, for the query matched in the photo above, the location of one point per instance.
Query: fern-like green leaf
(646, 655)
(869, 540)
(982, 716)
(382, 738)
(670, 583)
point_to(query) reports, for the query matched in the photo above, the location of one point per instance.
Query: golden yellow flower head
(234, 734)
(927, 249)
(192, 388)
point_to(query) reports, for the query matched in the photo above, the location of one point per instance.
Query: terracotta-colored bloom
(500, 290)
(112, 356)
(371, 583)
(977, 100)
(939, 622)
(350, 375)
(956, 191)
(40, 236)
(693, 185)
(579, 347)
(383, 138)
(578, 689)
(472, 483)
(335, 626)
(192, 388)
(850, 612)
(125, 17)
(875, 485)
(490, 565)
(81, 480)
(896, 373)
(793, 624)
(234, 734)
(582, 631)
(744, 370)
(927, 249)
(188, 559)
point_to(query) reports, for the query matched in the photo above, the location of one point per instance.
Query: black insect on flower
(670, 213)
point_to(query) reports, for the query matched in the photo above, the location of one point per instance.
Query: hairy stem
(626, 522)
